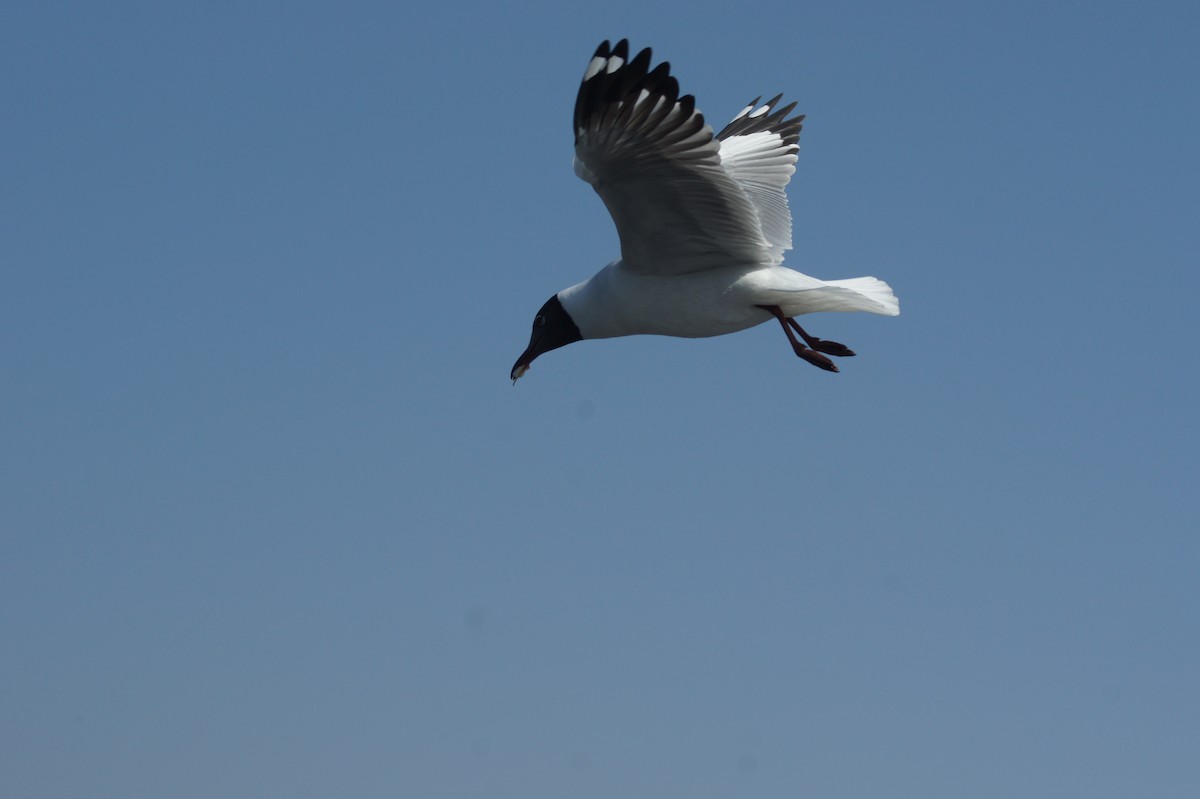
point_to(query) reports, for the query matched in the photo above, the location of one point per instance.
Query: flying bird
(703, 220)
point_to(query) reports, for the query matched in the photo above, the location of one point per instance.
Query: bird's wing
(758, 150)
(656, 165)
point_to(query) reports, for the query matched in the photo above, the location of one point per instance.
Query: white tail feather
(877, 294)
(869, 294)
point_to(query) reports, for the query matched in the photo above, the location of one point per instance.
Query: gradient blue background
(275, 523)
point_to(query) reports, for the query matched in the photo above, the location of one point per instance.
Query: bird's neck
(592, 305)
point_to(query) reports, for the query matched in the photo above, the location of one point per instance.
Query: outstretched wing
(658, 168)
(758, 150)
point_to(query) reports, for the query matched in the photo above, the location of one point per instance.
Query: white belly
(616, 302)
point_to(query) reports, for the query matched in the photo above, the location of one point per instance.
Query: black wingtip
(641, 61)
(772, 119)
(687, 105)
(615, 90)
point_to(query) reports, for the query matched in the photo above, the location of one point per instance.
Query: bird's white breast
(619, 302)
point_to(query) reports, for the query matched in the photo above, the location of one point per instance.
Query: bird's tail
(868, 294)
(797, 293)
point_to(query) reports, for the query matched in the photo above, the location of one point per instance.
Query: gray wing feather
(658, 168)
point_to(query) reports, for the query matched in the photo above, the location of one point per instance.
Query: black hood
(553, 327)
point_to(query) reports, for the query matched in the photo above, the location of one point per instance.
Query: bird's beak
(522, 364)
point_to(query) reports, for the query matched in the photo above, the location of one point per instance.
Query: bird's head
(553, 327)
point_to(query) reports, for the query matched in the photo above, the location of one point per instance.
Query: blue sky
(275, 523)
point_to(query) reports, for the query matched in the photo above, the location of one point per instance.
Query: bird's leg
(819, 344)
(815, 358)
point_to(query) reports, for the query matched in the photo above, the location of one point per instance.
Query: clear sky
(275, 523)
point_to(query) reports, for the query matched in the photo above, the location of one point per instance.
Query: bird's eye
(539, 320)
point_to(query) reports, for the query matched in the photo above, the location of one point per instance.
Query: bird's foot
(831, 348)
(816, 359)
(816, 346)
(820, 344)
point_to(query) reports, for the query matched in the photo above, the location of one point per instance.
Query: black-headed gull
(703, 220)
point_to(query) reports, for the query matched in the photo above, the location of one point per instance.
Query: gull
(703, 220)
